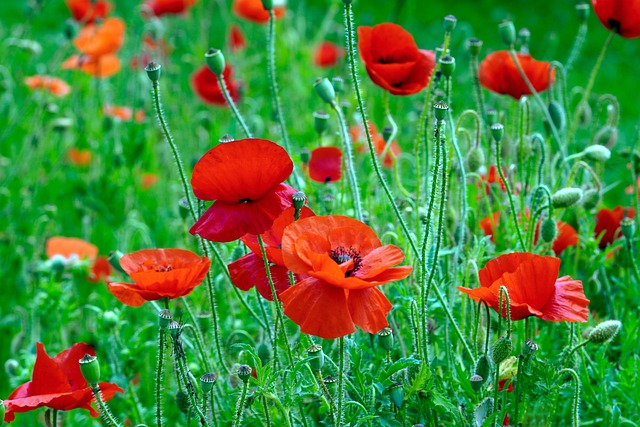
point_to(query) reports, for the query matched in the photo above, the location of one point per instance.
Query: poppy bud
(492, 116)
(597, 153)
(317, 357)
(183, 208)
(556, 112)
(182, 401)
(607, 135)
(305, 155)
(566, 197)
(215, 61)
(11, 367)
(529, 347)
(507, 32)
(501, 350)
(605, 331)
(114, 260)
(90, 369)
(325, 90)
(590, 199)
(628, 227)
(164, 318)
(338, 84)
(153, 71)
(582, 10)
(298, 200)
(450, 23)
(174, 328)
(320, 122)
(548, 230)
(497, 132)
(475, 159)
(483, 367)
(584, 116)
(244, 372)
(226, 138)
(207, 381)
(267, 4)
(110, 319)
(396, 393)
(524, 36)
(385, 338)
(447, 65)
(474, 46)
(476, 382)
(441, 109)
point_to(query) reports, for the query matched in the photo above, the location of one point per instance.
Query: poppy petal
(568, 303)
(369, 309)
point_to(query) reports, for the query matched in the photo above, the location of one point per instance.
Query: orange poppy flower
(166, 7)
(53, 85)
(327, 54)
(345, 261)
(491, 177)
(621, 16)
(97, 40)
(248, 271)
(122, 113)
(534, 288)
(159, 274)
(79, 157)
(608, 224)
(499, 74)
(325, 164)
(359, 139)
(70, 247)
(245, 178)
(97, 66)
(87, 11)
(237, 40)
(205, 84)
(631, 189)
(252, 10)
(393, 60)
(149, 180)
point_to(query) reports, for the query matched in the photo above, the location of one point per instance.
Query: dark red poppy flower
(393, 60)
(159, 274)
(237, 40)
(327, 54)
(205, 84)
(245, 178)
(499, 74)
(345, 261)
(534, 288)
(489, 225)
(166, 7)
(252, 10)
(608, 224)
(57, 383)
(248, 271)
(87, 11)
(621, 16)
(325, 164)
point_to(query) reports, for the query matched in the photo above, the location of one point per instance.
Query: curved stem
(227, 97)
(509, 194)
(105, 413)
(575, 416)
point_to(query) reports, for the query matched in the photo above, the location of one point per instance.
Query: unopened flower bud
(501, 350)
(244, 372)
(207, 381)
(628, 228)
(338, 84)
(182, 401)
(90, 369)
(449, 23)
(447, 65)
(548, 230)
(174, 328)
(320, 122)
(607, 135)
(474, 46)
(507, 32)
(605, 331)
(583, 10)
(497, 131)
(11, 367)
(396, 393)
(597, 153)
(164, 318)
(110, 319)
(475, 159)
(70, 29)
(325, 90)
(566, 197)
(305, 155)
(153, 71)
(476, 382)
(590, 199)
(483, 367)
(441, 109)
(215, 61)
(317, 357)
(557, 114)
(385, 339)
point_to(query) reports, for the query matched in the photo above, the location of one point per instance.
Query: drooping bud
(483, 367)
(597, 153)
(475, 159)
(244, 372)
(548, 230)
(396, 393)
(90, 369)
(582, 10)
(317, 357)
(497, 131)
(153, 71)
(320, 122)
(501, 350)
(449, 23)
(447, 65)
(440, 109)
(182, 401)
(628, 228)
(207, 381)
(215, 61)
(507, 32)
(474, 46)
(476, 382)
(607, 135)
(325, 90)
(164, 318)
(385, 339)
(566, 197)
(605, 331)
(590, 199)
(557, 114)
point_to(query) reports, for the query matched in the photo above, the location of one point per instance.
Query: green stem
(507, 187)
(232, 105)
(477, 89)
(105, 413)
(577, 46)
(341, 383)
(575, 415)
(183, 370)
(394, 126)
(54, 417)
(237, 419)
(197, 335)
(327, 393)
(159, 375)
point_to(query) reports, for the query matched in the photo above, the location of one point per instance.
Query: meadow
(190, 199)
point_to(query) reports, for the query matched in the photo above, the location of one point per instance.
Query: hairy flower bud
(597, 153)
(501, 350)
(548, 230)
(605, 331)
(566, 197)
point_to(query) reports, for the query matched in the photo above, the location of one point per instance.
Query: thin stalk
(227, 97)
(183, 371)
(197, 335)
(341, 383)
(237, 419)
(159, 375)
(54, 417)
(577, 46)
(507, 187)
(105, 413)
(327, 393)
(575, 407)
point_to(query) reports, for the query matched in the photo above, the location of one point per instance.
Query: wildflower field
(319, 213)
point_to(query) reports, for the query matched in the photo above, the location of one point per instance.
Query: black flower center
(342, 255)
(245, 200)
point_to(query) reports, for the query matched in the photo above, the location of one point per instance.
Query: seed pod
(244, 372)
(507, 32)
(474, 46)
(529, 347)
(385, 339)
(164, 318)
(325, 90)
(153, 71)
(450, 22)
(440, 109)
(483, 367)
(207, 381)
(605, 331)
(396, 393)
(320, 122)
(215, 61)
(317, 357)
(497, 132)
(476, 382)
(628, 227)
(447, 65)
(90, 369)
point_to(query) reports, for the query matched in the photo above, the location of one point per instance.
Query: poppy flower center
(342, 255)
(245, 200)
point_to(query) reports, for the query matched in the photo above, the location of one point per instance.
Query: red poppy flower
(327, 54)
(345, 261)
(148, 180)
(534, 288)
(98, 45)
(79, 157)
(359, 138)
(608, 224)
(237, 40)
(159, 274)
(122, 113)
(252, 10)
(491, 177)
(71, 247)
(393, 60)
(499, 74)
(622, 16)
(100, 270)
(57, 383)
(205, 84)
(87, 11)
(325, 164)
(53, 85)
(488, 225)
(244, 177)
(248, 271)
(166, 7)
